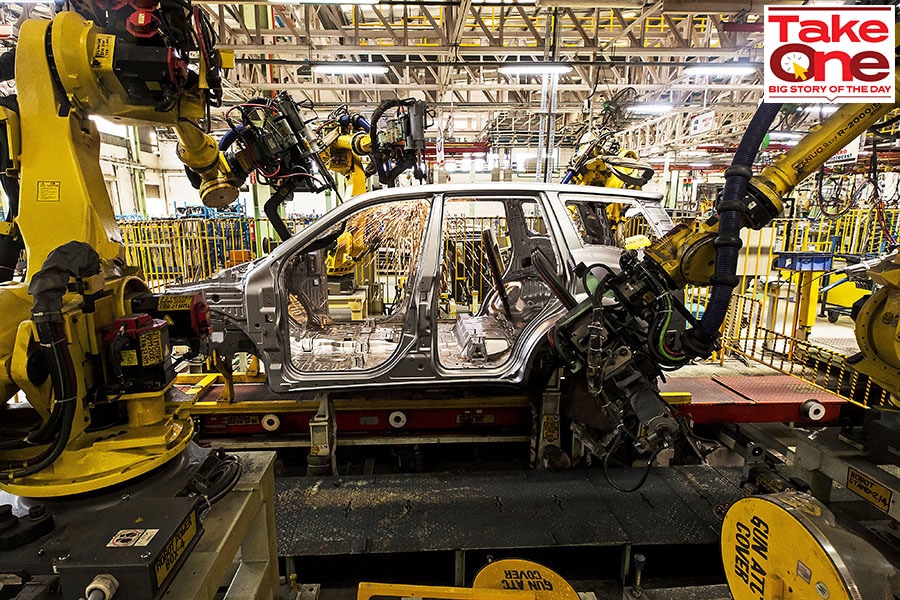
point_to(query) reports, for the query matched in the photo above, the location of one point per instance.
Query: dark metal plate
(528, 509)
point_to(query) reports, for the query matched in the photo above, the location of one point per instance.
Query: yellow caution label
(151, 348)
(129, 358)
(175, 548)
(550, 428)
(175, 302)
(48, 191)
(103, 51)
(870, 490)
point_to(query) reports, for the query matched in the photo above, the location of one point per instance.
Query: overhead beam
(533, 87)
(565, 53)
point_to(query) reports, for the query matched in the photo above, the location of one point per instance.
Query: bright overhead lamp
(534, 69)
(784, 136)
(721, 70)
(350, 69)
(649, 109)
(824, 109)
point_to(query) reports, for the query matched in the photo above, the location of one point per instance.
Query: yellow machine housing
(878, 330)
(787, 546)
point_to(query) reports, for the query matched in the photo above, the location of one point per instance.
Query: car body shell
(249, 303)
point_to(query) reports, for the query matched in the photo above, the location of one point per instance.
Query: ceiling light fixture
(721, 70)
(785, 135)
(649, 109)
(824, 109)
(534, 69)
(350, 69)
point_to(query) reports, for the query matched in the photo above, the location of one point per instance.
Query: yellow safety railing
(172, 251)
(773, 314)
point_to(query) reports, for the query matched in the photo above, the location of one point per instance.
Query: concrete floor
(838, 336)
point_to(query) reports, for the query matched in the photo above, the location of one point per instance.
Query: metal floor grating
(523, 509)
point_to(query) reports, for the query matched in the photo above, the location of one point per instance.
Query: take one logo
(838, 54)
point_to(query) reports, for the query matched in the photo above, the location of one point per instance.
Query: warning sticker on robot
(145, 537)
(129, 358)
(48, 191)
(128, 538)
(103, 47)
(173, 302)
(151, 348)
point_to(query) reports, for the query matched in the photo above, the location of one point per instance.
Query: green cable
(662, 333)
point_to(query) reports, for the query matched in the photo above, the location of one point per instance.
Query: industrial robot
(623, 341)
(85, 347)
(273, 141)
(391, 148)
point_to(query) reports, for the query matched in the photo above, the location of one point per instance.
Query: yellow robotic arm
(625, 346)
(60, 173)
(346, 140)
(688, 256)
(95, 372)
(600, 161)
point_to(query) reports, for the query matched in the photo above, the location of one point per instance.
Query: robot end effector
(213, 176)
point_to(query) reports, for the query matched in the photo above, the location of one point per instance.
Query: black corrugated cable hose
(48, 286)
(700, 341)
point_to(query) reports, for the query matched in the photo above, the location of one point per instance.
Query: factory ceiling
(623, 56)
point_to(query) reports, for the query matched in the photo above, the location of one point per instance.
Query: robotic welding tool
(620, 338)
(399, 144)
(272, 140)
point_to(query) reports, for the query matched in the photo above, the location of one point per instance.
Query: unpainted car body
(395, 287)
